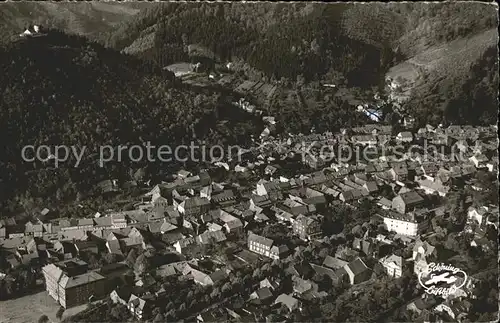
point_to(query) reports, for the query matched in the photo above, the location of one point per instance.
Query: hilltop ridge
(83, 18)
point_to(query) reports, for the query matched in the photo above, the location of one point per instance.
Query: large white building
(404, 224)
(71, 289)
(265, 246)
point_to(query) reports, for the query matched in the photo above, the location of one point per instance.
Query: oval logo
(441, 279)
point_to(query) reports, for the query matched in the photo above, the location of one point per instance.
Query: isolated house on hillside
(31, 30)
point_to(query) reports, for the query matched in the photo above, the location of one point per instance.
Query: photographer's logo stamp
(443, 280)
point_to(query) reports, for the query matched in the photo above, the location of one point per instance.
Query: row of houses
(192, 211)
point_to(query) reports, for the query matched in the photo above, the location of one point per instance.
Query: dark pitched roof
(333, 262)
(362, 245)
(357, 266)
(124, 292)
(196, 201)
(264, 293)
(114, 246)
(225, 195)
(303, 269)
(411, 197)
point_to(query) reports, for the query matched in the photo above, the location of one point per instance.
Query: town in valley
(383, 218)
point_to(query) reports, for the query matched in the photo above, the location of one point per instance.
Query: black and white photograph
(249, 161)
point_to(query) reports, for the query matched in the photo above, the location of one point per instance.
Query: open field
(29, 308)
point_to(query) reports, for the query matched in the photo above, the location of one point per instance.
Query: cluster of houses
(184, 220)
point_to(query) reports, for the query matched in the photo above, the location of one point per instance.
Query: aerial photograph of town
(206, 161)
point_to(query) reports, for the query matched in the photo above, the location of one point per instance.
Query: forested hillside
(470, 99)
(447, 47)
(477, 101)
(439, 42)
(281, 40)
(64, 90)
(410, 28)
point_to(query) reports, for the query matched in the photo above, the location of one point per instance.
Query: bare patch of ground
(29, 308)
